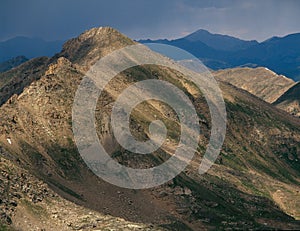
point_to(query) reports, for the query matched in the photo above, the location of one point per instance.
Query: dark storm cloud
(61, 19)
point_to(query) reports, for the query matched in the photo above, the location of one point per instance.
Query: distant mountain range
(222, 51)
(28, 47)
(216, 51)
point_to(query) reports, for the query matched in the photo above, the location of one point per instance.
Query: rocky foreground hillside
(253, 185)
(27, 203)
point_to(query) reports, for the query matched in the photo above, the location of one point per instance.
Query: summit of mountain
(253, 185)
(92, 44)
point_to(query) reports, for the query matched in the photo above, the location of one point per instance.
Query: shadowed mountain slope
(11, 63)
(290, 100)
(14, 80)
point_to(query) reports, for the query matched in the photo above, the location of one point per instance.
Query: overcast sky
(62, 19)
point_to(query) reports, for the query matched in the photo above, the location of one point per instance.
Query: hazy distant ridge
(222, 51)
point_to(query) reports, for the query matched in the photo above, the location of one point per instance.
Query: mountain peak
(219, 41)
(93, 44)
(196, 36)
(97, 32)
(201, 31)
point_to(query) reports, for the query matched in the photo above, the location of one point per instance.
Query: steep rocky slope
(260, 81)
(290, 100)
(254, 184)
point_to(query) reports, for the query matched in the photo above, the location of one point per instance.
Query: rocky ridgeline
(15, 80)
(259, 81)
